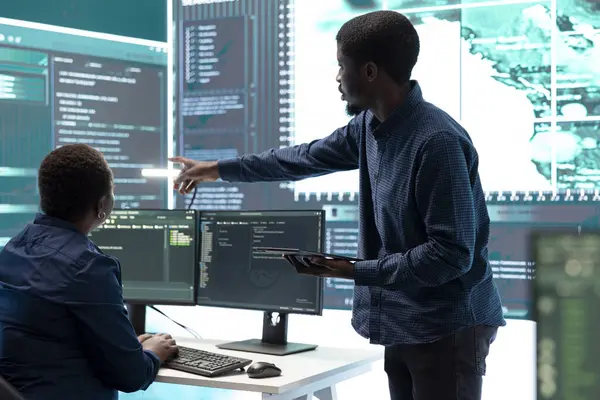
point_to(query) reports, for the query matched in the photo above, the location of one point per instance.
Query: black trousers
(451, 368)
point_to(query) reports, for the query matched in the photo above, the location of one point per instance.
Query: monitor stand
(274, 339)
(137, 316)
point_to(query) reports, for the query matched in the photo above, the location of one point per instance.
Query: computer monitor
(567, 293)
(157, 251)
(232, 275)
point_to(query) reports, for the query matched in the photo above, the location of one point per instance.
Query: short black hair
(72, 179)
(386, 38)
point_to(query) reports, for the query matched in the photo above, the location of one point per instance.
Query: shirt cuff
(156, 362)
(366, 273)
(230, 169)
(154, 358)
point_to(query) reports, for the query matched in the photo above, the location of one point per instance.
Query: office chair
(7, 392)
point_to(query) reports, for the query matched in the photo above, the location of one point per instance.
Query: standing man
(425, 290)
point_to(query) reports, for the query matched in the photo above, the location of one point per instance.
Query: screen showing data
(520, 76)
(567, 301)
(157, 253)
(513, 218)
(233, 274)
(60, 86)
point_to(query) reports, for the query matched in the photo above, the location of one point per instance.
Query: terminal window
(156, 250)
(59, 87)
(232, 275)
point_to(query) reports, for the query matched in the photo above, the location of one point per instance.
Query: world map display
(521, 76)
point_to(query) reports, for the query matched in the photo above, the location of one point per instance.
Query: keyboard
(205, 363)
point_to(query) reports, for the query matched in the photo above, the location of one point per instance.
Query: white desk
(312, 373)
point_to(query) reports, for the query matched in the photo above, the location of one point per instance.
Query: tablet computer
(285, 251)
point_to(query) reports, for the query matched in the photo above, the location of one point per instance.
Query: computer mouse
(262, 369)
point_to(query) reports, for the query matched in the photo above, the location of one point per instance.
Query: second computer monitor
(231, 274)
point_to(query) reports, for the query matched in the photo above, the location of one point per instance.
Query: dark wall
(145, 19)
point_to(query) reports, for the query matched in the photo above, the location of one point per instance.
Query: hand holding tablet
(314, 263)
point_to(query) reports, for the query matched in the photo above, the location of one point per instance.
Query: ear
(105, 204)
(370, 71)
(101, 206)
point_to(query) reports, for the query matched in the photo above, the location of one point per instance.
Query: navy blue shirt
(64, 331)
(424, 224)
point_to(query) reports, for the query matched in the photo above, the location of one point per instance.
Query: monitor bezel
(253, 307)
(150, 302)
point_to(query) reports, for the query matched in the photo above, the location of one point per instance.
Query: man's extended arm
(336, 152)
(445, 200)
(110, 343)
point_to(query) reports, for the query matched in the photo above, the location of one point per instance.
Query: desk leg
(327, 393)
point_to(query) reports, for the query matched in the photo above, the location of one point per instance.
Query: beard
(353, 110)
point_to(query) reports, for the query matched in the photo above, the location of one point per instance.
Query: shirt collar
(413, 98)
(43, 219)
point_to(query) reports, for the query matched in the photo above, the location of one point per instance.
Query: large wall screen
(60, 86)
(521, 76)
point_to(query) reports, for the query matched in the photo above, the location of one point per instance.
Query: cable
(190, 330)
(193, 198)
